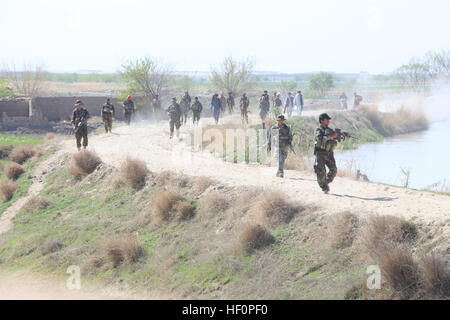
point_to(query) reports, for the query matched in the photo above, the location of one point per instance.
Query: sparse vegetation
(35, 203)
(13, 171)
(253, 237)
(20, 154)
(435, 275)
(343, 229)
(272, 209)
(212, 204)
(164, 204)
(7, 189)
(84, 163)
(50, 136)
(133, 172)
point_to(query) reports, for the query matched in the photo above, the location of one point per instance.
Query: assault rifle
(80, 124)
(342, 135)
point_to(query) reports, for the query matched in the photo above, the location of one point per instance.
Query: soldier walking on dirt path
(343, 101)
(216, 107)
(357, 101)
(298, 100)
(80, 117)
(325, 143)
(289, 105)
(129, 109)
(244, 104)
(230, 102)
(156, 106)
(264, 107)
(196, 108)
(185, 106)
(281, 136)
(277, 102)
(107, 114)
(175, 113)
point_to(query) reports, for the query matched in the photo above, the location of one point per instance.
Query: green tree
(320, 83)
(287, 86)
(5, 91)
(232, 75)
(145, 76)
(415, 75)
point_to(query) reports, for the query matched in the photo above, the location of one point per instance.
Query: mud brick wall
(60, 108)
(14, 108)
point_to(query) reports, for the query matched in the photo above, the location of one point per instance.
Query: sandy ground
(151, 143)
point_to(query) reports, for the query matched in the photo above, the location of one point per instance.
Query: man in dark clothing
(243, 105)
(196, 108)
(156, 106)
(282, 139)
(129, 109)
(216, 107)
(175, 113)
(264, 107)
(185, 105)
(107, 114)
(230, 102)
(289, 104)
(357, 101)
(80, 117)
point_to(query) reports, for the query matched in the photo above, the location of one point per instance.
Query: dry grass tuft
(84, 163)
(253, 237)
(5, 151)
(435, 275)
(213, 203)
(14, 171)
(22, 153)
(343, 229)
(116, 251)
(383, 232)
(50, 246)
(133, 172)
(400, 271)
(7, 189)
(164, 204)
(184, 210)
(201, 184)
(35, 203)
(50, 136)
(272, 209)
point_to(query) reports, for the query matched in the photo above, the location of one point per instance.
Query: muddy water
(426, 155)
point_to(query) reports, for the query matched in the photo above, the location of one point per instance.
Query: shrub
(400, 271)
(435, 275)
(213, 203)
(272, 209)
(50, 136)
(164, 203)
(184, 210)
(36, 202)
(133, 172)
(13, 171)
(254, 237)
(22, 153)
(7, 189)
(383, 232)
(116, 251)
(5, 151)
(343, 229)
(51, 246)
(84, 163)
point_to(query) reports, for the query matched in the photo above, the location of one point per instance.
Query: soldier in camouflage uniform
(230, 102)
(128, 108)
(243, 105)
(175, 113)
(80, 117)
(281, 134)
(264, 106)
(196, 108)
(107, 114)
(325, 143)
(185, 105)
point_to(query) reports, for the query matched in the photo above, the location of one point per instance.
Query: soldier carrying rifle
(80, 117)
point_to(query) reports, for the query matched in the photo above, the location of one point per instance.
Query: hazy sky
(282, 35)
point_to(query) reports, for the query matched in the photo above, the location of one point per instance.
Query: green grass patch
(13, 140)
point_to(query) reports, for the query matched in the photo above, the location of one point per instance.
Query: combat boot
(326, 189)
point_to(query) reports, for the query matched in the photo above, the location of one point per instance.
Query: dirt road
(150, 142)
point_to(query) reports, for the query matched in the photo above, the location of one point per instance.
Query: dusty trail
(150, 142)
